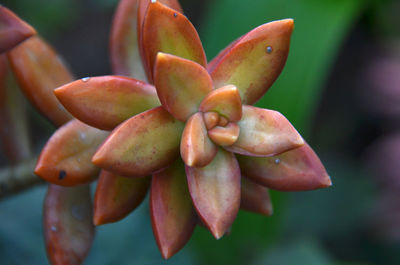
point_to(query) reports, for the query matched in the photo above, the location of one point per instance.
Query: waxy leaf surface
(181, 85)
(141, 145)
(255, 198)
(142, 10)
(66, 158)
(255, 60)
(68, 227)
(172, 214)
(264, 133)
(197, 150)
(295, 170)
(225, 101)
(225, 136)
(106, 101)
(117, 196)
(166, 30)
(215, 192)
(124, 43)
(13, 30)
(39, 70)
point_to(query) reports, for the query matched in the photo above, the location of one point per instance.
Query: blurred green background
(340, 88)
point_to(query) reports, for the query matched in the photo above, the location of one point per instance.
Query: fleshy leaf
(295, 170)
(225, 101)
(124, 44)
(141, 145)
(65, 159)
(13, 30)
(255, 198)
(172, 214)
(225, 136)
(39, 70)
(255, 60)
(142, 10)
(211, 119)
(264, 133)
(106, 101)
(181, 85)
(215, 192)
(197, 150)
(68, 227)
(214, 62)
(14, 134)
(117, 196)
(166, 30)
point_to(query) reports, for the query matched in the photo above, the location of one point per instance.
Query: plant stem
(18, 178)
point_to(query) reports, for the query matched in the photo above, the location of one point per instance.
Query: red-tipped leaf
(166, 30)
(106, 101)
(197, 150)
(295, 170)
(66, 158)
(117, 196)
(255, 61)
(181, 85)
(39, 70)
(141, 145)
(215, 192)
(172, 214)
(264, 133)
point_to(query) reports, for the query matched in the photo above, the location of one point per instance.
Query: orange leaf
(66, 158)
(39, 70)
(68, 227)
(295, 170)
(141, 145)
(264, 133)
(106, 101)
(255, 61)
(197, 150)
(172, 214)
(181, 85)
(124, 45)
(166, 30)
(117, 196)
(215, 192)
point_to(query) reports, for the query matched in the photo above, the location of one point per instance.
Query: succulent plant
(190, 135)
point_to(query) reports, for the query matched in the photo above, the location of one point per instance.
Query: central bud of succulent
(215, 124)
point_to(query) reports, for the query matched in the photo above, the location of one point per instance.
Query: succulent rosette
(190, 135)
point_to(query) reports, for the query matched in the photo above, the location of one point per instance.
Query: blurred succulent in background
(230, 152)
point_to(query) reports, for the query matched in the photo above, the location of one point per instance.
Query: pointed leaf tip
(197, 150)
(106, 101)
(141, 145)
(181, 85)
(65, 159)
(172, 214)
(166, 30)
(295, 170)
(215, 192)
(264, 133)
(254, 61)
(117, 196)
(225, 101)
(13, 30)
